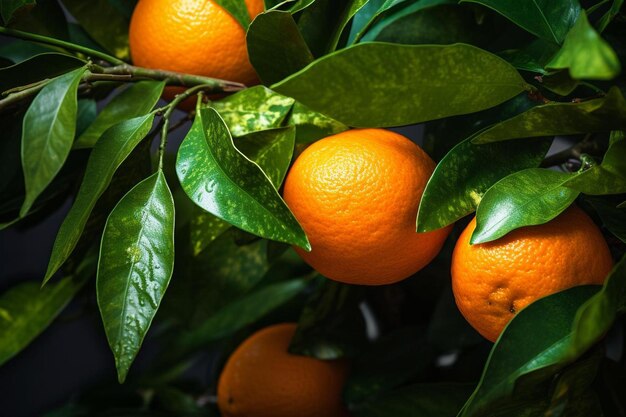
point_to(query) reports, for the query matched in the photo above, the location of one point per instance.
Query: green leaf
(240, 314)
(135, 101)
(597, 115)
(525, 198)
(395, 16)
(355, 87)
(594, 319)
(107, 156)
(586, 54)
(516, 355)
(331, 325)
(221, 180)
(47, 134)
(462, 177)
(86, 114)
(8, 7)
(322, 22)
(26, 310)
(37, 68)
(276, 47)
(613, 217)
(46, 18)
(423, 400)
(104, 23)
(18, 50)
(609, 15)
(271, 150)
(135, 266)
(311, 125)
(238, 10)
(560, 82)
(533, 56)
(204, 229)
(387, 363)
(253, 109)
(550, 20)
(609, 177)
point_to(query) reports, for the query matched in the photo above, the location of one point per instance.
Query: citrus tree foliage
(193, 241)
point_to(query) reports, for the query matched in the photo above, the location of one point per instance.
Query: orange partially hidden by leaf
(262, 379)
(192, 36)
(356, 195)
(493, 281)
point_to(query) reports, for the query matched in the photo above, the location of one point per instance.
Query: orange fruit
(493, 281)
(356, 195)
(192, 36)
(262, 379)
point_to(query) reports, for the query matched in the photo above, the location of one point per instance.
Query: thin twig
(62, 44)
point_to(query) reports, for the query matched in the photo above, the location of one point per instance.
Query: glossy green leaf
(253, 109)
(204, 229)
(595, 318)
(550, 20)
(331, 325)
(240, 313)
(586, 54)
(135, 266)
(37, 68)
(238, 10)
(533, 56)
(597, 115)
(85, 115)
(107, 156)
(354, 85)
(47, 134)
(363, 19)
(135, 101)
(560, 82)
(311, 125)
(423, 400)
(525, 198)
(609, 15)
(609, 177)
(8, 7)
(462, 177)
(392, 13)
(276, 47)
(104, 23)
(387, 363)
(613, 217)
(322, 22)
(18, 50)
(221, 180)
(516, 355)
(26, 310)
(445, 24)
(271, 150)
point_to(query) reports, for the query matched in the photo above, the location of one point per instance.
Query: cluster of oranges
(356, 195)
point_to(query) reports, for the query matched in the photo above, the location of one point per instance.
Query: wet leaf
(221, 180)
(271, 150)
(26, 310)
(354, 86)
(550, 20)
(525, 198)
(107, 156)
(135, 101)
(276, 47)
(47, 134)
(462, 177)
(135, 266)
(597, 115)
(585, 54)
(253, 109)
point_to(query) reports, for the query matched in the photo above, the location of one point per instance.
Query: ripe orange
(261, 379)
(192, 36)
(356, 195)
(493, 281)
